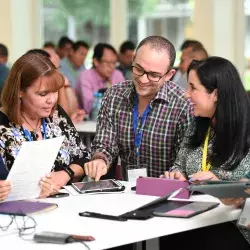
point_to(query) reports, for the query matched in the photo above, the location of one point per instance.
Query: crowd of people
(187, 123)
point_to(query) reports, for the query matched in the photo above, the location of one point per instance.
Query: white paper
(133, 174)
(34, 160)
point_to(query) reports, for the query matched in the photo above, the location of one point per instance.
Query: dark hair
(39, 52)
(160, 43)
(79, 44)
(99, 49)
(24, 72)
(232, 115)
(127, 45)
(3, 50)
(63, 41)
(49, 44)
(191, 43)
(203, 51)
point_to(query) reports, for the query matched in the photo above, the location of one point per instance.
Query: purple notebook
(161, 187)
(25, 207)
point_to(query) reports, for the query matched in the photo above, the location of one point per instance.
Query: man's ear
(170, 74)
(133, 57)
(215, 93)
(95, 62)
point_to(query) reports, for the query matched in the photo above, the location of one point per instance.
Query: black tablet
(183, 209)
(222, 189)
(98, 186)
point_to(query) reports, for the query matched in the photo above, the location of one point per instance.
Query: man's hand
(5, 188)
(96, 169)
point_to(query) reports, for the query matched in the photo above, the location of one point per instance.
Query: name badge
(134, 172)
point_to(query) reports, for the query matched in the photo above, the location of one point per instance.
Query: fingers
(5, 188)
(233, 201)
(48, 187)
(248, 191)
(174, 175)
(202, 176)
(96, 169)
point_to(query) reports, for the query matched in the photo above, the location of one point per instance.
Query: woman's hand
(5, 188)
(203, 176)
(174, 175)
(233, 201)
(47, 187)
(236, 201)
(59, 178)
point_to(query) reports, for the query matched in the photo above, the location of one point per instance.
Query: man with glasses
(101, 76)
(142, 121)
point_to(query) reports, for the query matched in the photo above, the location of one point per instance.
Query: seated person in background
(73, 64)
(49, 45)
(4, 70)
(102, 75)
(217, 143)
(64, 47)
(150, 104)
(191, 50)
(66, 95)
(125, 58)
(30, 112)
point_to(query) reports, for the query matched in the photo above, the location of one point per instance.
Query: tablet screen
(104, 184)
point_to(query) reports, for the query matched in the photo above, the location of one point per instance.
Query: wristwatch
(71, 174)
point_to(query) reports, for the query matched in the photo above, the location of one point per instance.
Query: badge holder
(135, 171)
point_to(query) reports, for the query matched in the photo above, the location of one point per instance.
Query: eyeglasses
(153, 77)
(25, 224)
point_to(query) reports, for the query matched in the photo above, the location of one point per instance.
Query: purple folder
(161, 187)
(25, 207)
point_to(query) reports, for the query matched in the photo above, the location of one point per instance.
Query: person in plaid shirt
(142, 121)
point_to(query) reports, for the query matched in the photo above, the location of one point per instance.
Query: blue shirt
(71, 72)
(4, 71)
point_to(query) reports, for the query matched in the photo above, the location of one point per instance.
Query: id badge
(135, 171)
(244, 220)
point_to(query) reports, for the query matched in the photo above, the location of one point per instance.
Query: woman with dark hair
(30, 112)
(217, 143)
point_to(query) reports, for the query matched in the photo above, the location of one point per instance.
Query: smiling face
(37, 100)
(204, 103)
(156, 63)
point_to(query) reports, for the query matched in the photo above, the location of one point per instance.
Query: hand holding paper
(34, 160)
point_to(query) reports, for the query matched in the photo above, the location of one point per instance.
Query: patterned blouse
(188, 162)
(72, 150)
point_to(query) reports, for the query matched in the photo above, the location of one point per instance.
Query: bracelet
(71, 174)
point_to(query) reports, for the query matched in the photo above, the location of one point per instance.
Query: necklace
(34, 130)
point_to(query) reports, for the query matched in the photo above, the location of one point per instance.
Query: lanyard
(28, 134)
(139, 131)
(205, 166)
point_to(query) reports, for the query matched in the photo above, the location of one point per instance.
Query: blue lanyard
(139, 131)
(28, 134)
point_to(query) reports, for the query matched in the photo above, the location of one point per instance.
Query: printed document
(34, 160)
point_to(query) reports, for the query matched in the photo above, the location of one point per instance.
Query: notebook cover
(161, 187)
(25, 207)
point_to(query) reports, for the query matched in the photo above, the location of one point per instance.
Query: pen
(102, 216)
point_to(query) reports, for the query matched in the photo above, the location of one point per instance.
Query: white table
(88, 129)
(112, 233)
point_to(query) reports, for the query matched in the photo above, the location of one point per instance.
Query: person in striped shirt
(142, 121)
